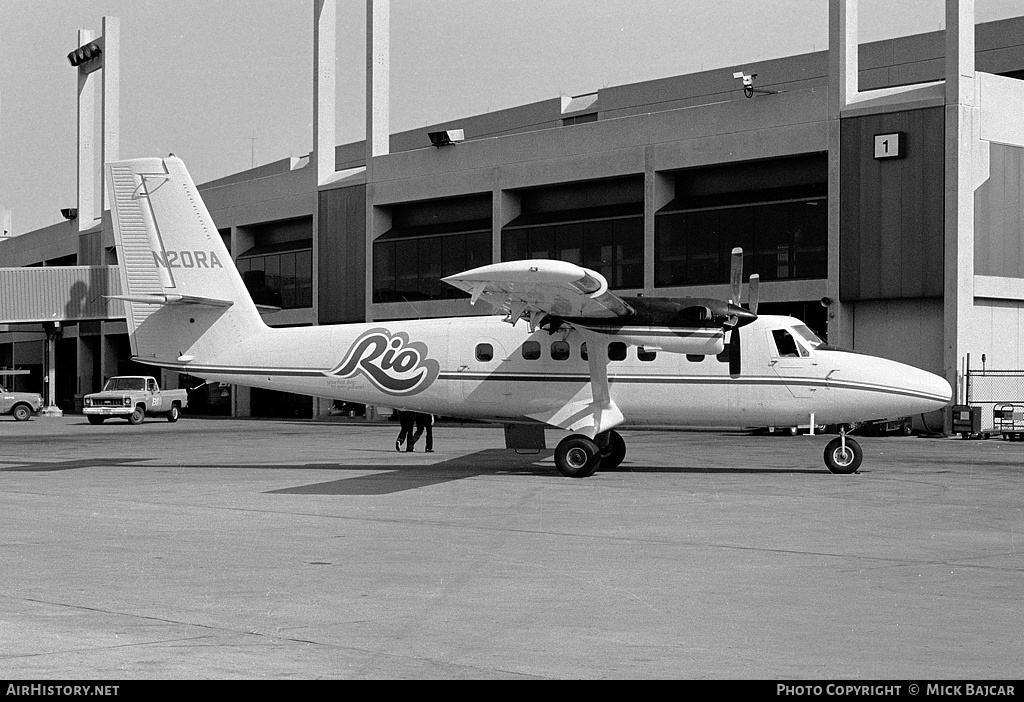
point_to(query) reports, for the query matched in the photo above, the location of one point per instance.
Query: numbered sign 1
(890, 145)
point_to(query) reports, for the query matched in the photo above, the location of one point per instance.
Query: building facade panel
(341, 284)
(999, 215)
(891, 210)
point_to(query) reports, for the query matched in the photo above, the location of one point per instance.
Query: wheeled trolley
(1008, 420)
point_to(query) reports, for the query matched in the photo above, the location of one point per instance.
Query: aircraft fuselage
(484, 368)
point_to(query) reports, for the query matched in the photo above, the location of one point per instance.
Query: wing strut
(592, 411)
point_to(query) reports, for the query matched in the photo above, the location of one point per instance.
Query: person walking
(407, 420)
(424, 422)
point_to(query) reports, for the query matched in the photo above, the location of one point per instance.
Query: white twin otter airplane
(565, 352)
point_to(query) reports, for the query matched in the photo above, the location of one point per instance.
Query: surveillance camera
(748, 79)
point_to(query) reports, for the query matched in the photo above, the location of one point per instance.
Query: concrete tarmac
(261, 549)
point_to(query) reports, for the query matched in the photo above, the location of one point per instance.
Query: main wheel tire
(173, 415)
(843, 461)
(577, 457)
(614, 452)
(21, 413)
(93, 419)
(137, 416)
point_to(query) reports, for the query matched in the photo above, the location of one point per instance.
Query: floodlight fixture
(69, 213)
(447, 137)
(84, 53)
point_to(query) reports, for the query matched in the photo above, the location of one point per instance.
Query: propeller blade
(735, 366)
(736, 275)
(752, 293)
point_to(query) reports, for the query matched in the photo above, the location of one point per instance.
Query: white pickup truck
(20, 405)
(133, 397)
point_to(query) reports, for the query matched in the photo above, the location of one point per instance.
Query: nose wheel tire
(577, 457)
(843, 461)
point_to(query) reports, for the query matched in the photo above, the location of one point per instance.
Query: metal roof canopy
(59, 294)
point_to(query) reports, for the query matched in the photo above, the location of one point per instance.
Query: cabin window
(645, 355)
(484, 352)
(786, 345)
(559, 350)
(583, 351)
(695, 357)
(531, 350)
(616, 351)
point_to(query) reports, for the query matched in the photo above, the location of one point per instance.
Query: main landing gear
(579, 457)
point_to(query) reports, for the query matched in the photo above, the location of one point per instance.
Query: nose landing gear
(843, 455)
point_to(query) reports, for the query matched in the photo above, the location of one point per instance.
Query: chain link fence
(995, 386)
(1000, 395)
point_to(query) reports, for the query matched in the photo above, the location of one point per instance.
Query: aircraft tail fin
(184, 298)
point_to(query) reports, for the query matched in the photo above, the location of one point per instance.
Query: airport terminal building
(876, 189)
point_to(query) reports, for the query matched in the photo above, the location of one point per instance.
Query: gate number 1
(889, 145)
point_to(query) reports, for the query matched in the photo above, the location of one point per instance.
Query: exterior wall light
(447, 137)
(86, 52)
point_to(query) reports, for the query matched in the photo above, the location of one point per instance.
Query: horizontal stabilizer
(170, 299)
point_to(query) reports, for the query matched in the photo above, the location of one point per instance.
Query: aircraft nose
(928, 387)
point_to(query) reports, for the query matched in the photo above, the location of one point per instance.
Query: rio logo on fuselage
(187, 259)
(391, 362)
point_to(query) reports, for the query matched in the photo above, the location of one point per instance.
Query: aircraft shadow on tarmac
(389, 478)
(487, 462)
(52, 466)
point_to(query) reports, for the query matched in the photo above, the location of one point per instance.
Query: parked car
(20, 405)
(133, 397)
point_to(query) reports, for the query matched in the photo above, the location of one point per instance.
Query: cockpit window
(787, 346)
(803, 332)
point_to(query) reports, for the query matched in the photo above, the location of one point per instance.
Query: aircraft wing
(541, 286)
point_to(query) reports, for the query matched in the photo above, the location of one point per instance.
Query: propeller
(736, 281)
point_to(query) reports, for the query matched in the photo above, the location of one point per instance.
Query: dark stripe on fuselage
(581, 378)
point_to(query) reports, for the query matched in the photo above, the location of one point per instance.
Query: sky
(226, 84)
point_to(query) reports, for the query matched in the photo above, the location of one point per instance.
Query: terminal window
(613, 247)
(780, 241)
(278, 278)
(411, 268)
(774, 209)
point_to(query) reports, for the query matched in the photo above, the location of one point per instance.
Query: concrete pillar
(843, 88)
(378, 66)
(659, 190)
(5, 213)
(325, 22)
(962, 146)
(50, 370)
(242, 240)
(110, 124)
(378, 129)
(86, 123)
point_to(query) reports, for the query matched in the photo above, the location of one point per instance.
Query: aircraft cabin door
(795, 364)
